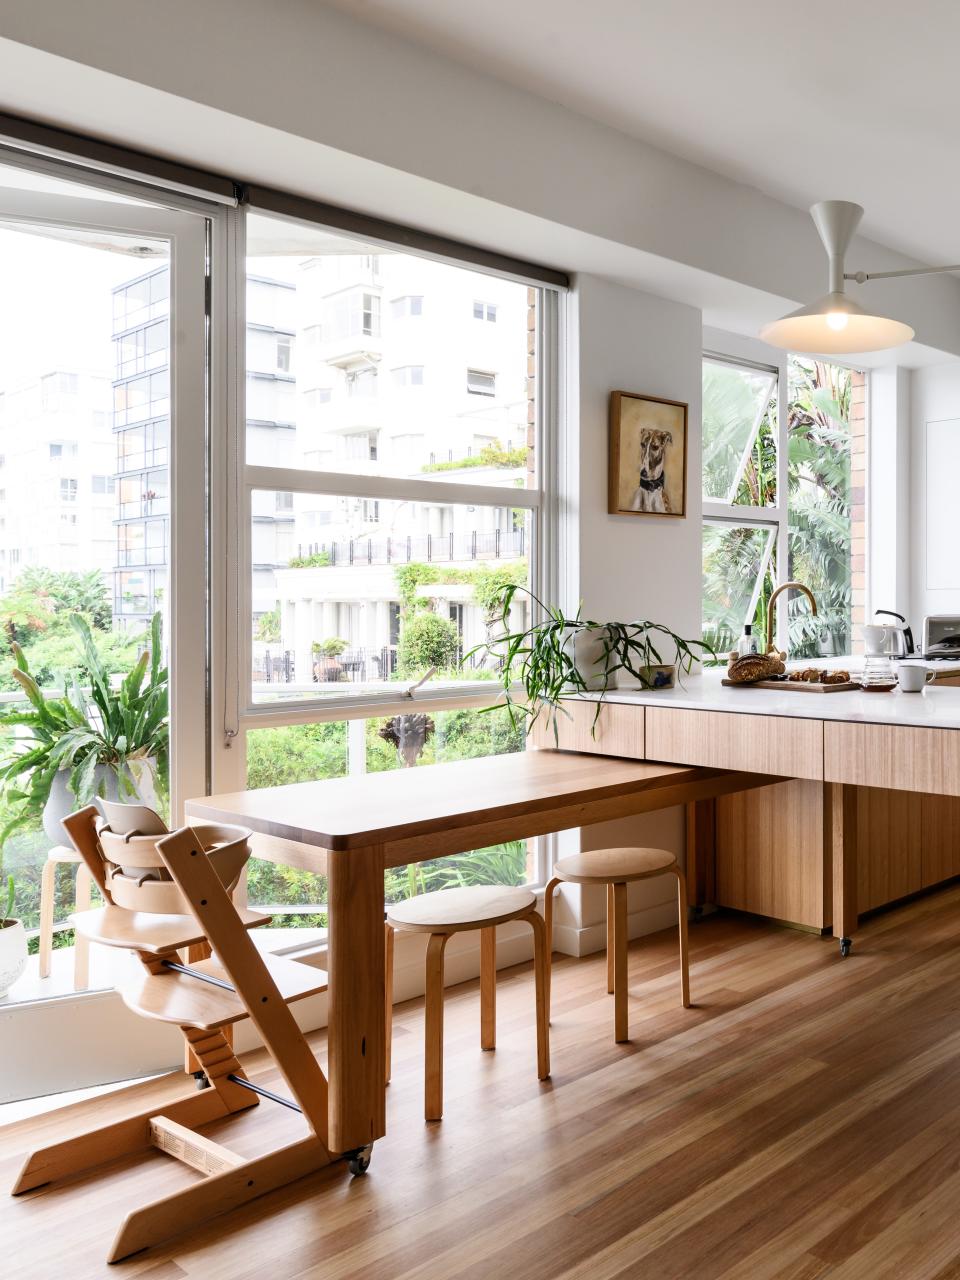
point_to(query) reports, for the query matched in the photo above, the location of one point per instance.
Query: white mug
(913, 677)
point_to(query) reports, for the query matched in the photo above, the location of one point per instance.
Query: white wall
(630, 566)
(935, 453)
(316, 102)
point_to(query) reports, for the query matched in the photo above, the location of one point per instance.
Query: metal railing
(432, 547)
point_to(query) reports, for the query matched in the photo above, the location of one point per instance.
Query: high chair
(165, 893)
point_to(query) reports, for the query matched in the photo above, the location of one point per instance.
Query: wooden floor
(803, 1120)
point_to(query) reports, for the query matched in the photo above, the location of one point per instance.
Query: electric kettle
(888, 639)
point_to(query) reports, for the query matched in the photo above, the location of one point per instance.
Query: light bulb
(837, 320)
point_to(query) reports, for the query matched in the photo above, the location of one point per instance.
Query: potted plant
(67, 748)
(13, 943)
(326, 655)
(560, 656)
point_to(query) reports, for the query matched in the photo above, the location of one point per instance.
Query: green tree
(427, 640)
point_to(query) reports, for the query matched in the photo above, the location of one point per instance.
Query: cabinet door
(618, 730)
(786, 745)
(889, 846)
(940, 838)
(770, 853)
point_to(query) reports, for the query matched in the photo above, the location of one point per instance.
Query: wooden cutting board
(794, 686)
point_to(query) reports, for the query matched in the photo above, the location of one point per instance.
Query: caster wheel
(201, 1079)
(696, 915)
(358, 1162)
(846, 945)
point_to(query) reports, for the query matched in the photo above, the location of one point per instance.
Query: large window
(782, 447)
(411, 504)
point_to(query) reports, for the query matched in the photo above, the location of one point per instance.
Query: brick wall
(858, 514)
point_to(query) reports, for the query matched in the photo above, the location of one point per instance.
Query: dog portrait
(648, 455)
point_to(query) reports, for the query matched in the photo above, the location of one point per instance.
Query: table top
(374, 808)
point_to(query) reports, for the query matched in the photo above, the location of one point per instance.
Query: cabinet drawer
(781, 745)
(618, 732)
(895, 756)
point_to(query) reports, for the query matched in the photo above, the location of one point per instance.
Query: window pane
(821, 508)
(383, 342)
(302, 753)
(739, 439)
(738, 578)
(67, 545)
(357, 592)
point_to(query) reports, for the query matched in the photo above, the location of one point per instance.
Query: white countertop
(933, 708)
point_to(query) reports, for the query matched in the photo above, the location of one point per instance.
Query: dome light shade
(835, 325)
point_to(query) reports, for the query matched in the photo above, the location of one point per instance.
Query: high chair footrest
(182, 999)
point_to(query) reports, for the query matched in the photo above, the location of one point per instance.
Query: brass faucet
(771, 616)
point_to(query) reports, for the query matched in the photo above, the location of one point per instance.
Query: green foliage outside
(268, 626)
(332, 647)
(427, 640)
(818, 481)
(318, 560)
(302, 753)
(491, 455)
(36, 613)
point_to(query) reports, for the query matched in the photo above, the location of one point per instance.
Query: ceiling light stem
(862, 277)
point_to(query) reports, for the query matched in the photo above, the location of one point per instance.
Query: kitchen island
(867, 813)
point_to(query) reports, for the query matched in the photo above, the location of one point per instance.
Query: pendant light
(835, 325)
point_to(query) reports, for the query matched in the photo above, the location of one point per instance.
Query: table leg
(840, 836)
(357, 995)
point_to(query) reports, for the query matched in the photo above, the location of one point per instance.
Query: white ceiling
(833, 99)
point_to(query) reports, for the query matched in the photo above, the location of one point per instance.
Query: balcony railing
(432, 547)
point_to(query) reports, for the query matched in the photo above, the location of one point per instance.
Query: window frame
(776, 517)
(234, 481)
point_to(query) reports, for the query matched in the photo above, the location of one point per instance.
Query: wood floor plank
(796, 1124)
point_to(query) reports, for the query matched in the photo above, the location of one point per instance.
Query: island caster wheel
(201, 1079)
(358, 1162)
(846, 945)
(696, 914)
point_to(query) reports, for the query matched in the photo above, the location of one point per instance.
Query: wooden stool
(616, 868)
(58, 855)
(450, 911)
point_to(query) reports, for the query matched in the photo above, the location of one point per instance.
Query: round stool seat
(452, 910)
(614, 866)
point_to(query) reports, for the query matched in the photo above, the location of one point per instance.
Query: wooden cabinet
(939, 839)
(769, 853)
(618, 730)
(889, 846)
(792, 747)
(893, 756)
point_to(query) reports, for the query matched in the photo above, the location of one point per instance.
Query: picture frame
(648, 456)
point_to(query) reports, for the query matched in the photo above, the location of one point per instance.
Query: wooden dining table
(352, 829)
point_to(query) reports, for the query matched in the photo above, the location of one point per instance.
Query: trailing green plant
(541, 657)
(125, 729)
(6, 915)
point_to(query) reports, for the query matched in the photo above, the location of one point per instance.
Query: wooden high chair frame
(204, 1000)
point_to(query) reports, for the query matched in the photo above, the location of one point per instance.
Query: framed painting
(648, 455)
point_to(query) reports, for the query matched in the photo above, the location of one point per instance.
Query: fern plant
(124, 729)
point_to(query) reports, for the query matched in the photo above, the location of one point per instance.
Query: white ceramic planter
(586, 650)
(13, 954)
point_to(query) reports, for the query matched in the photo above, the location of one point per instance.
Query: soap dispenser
(747, 642)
